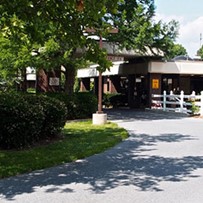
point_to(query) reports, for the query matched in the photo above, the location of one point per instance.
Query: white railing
(178, 102)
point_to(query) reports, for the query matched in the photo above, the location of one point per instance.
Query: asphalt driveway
(161, 162)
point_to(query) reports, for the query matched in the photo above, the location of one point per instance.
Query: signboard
(155, 83)
(115, 58)
(54, 81)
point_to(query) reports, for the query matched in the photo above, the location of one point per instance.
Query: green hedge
(54, 112)
(27, 119)
(114, 100)
(79, 105)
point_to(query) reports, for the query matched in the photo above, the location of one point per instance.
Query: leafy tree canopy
(48, 33)
(200, 52)
(53, 30)
(63, 23)
(177, 50)
(138, 29)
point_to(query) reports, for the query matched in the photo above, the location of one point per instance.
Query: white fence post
(193, 94)
(181, 101)
(201, 104)
(164, 101)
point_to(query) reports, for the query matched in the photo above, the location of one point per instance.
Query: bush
(115, 99)
(54, 113)
(55, 116)
(20, 123)
(27, 119)
(79, 105)
(194, 108)
(86, 104)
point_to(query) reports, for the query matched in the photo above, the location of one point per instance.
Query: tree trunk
(69, 79)
(24, 82)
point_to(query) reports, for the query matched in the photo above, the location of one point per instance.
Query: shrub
(114, 99)
(27, 119)
(107, 97)
(86, 104)
(79, 105)
(55, 116)
(194, 108)
(20, 122)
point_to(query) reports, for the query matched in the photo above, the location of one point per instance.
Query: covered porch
(138, 79)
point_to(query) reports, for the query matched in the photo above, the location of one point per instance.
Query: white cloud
(189, 32)
(166, 19)
(190, 35)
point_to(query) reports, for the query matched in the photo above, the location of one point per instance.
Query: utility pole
(100, 84)
(99, 117)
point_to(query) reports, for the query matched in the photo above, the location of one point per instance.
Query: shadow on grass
(80, 140)
(123, 165)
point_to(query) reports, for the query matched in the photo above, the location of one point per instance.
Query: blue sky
(189, 13)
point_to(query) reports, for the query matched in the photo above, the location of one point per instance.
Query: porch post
(131, 90)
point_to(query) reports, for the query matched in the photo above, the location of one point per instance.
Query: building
(138, 77)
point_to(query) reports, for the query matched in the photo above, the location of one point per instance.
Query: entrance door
(137, 91)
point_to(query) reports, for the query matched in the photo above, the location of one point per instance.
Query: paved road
(161, 162)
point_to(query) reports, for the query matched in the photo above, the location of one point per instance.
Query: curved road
(161, 162)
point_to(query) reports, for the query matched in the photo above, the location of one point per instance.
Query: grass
(81, 139)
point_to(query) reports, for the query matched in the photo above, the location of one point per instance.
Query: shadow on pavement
(123, 165)
(137, 114)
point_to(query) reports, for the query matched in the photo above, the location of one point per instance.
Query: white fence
(178, 102)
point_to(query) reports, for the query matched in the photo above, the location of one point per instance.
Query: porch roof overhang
(177, 67)
(123, 68)
(128, 54)
(130, 62)
(119, 68)
(92, 71)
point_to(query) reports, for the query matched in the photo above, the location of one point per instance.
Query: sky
(189, 14)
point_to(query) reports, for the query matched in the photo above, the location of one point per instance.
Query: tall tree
(58, 27)
(200, 52)
(177, 50)
(54, 30)
(138, 29)
(14, 58)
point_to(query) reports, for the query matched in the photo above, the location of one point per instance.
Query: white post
(164, 101)
(193, 94)
(171, 98)
(181, 101)
(201, 104)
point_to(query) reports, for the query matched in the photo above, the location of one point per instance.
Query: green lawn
(81, 139)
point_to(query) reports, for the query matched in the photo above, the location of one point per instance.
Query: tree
(15, 50)
(139, 31)
(54, 31)
(14, 58)
(177, 50)
(58, 27)
(200, 52)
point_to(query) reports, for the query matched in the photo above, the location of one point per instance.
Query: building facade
(138, 79)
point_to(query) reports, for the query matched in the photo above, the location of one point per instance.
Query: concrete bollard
(99, 118)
